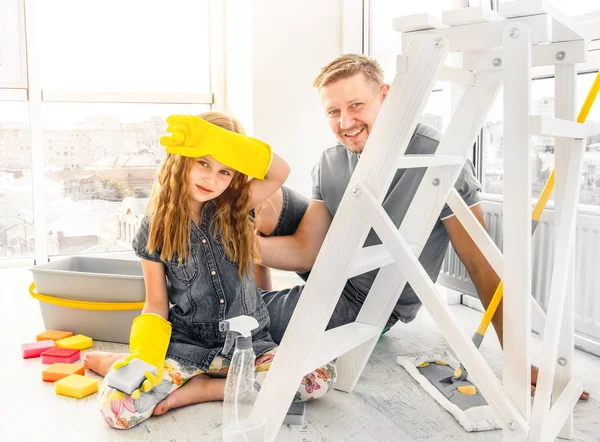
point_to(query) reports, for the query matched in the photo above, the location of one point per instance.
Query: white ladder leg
(458, 339)
(517, 222)
(560, 277)
(480, 237)
(565, 86)
(460, 135)
(393, 127)
(487, 246)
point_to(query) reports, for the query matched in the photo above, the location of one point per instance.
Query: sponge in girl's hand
(76, 386)
(35, 349)
(63, 355)
(58, 371)
(79, 342)
(129, 377)
(53, 335)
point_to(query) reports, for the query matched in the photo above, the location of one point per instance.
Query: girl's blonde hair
(169, 209)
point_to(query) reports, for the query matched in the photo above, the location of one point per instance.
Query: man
(352, 90)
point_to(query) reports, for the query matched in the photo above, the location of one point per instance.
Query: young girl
(197, 245)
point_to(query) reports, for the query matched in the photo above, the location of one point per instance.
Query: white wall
(238, 62)
(271, 62)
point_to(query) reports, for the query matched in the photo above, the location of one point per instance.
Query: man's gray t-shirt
(332, 174)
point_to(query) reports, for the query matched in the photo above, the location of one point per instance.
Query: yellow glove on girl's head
(195, 137)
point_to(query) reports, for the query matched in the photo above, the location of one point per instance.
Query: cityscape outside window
(100, 159)
(100, 164)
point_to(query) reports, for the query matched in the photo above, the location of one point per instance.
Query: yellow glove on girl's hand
(149, 341)
(195, 137)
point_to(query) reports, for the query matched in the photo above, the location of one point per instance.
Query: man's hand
(299, 251)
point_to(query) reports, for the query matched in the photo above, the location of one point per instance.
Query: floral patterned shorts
(122, 412)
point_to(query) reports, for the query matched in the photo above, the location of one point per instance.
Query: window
(437, 112)
(386, 46)
(110, 73)
(542, 103)
(385, 41)
(100, 171)
(125, 45)
(16, 203)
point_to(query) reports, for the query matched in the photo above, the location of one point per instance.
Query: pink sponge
(60, 355)
(35, 349)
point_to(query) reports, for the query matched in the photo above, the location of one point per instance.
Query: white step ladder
(306, 345)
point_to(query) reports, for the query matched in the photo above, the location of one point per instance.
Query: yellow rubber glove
(149, 341)
(195, 137)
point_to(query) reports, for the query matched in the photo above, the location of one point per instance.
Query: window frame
(13, 74)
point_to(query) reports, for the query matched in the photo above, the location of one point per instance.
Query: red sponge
(35, 349)
(60, 355)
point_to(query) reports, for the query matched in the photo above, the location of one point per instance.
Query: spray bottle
(240, 390)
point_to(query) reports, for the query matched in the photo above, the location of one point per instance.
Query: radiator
(587, 279)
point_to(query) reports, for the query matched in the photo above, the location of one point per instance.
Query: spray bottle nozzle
(239, 326)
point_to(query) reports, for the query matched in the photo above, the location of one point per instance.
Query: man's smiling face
(351, 106)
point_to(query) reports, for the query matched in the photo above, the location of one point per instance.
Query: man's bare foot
(200, 388)
(101, 362)
(534, 377)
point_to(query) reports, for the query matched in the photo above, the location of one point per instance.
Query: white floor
(387, 405)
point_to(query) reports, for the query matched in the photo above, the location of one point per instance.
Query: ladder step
(412, 161)
(517, 9)
(566, 26)
(467, 16)
(339, 340)
(554, 127)
(451, 74)
(373, 257)
(484, 36)
(541, 55)
(370, 258)
(459, 76)
(417, 22)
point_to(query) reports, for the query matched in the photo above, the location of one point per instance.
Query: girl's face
(208, 178)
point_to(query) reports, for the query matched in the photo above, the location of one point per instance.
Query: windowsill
(6, 263)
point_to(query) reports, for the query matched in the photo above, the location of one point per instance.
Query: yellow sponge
(76, 386)
(78, 342)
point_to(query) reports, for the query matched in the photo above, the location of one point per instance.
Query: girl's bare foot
(200, 388)
(101, 362)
